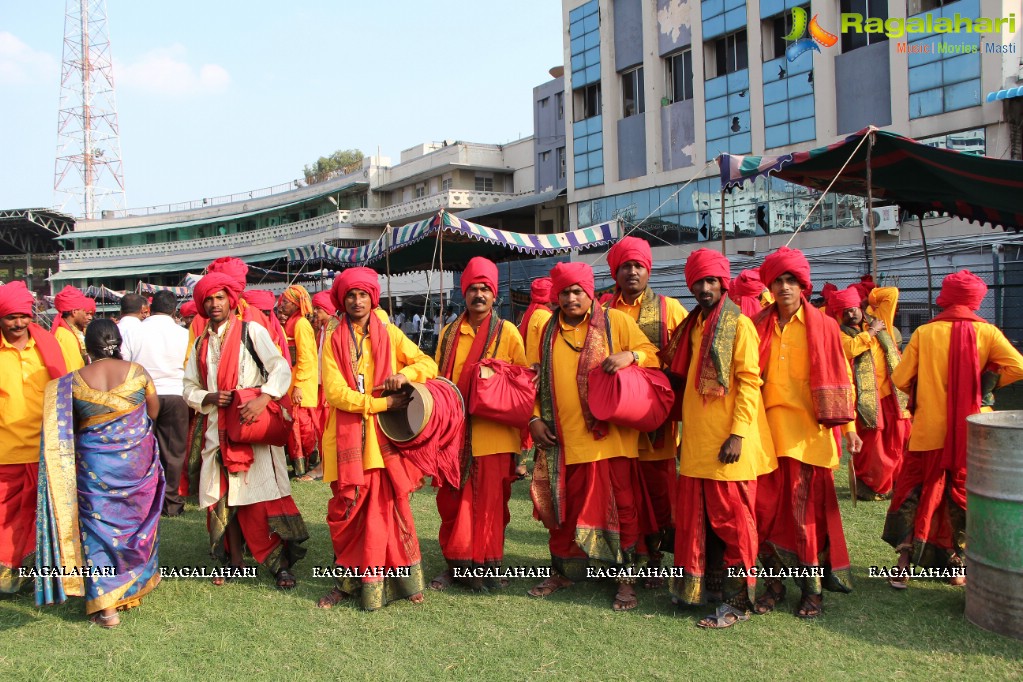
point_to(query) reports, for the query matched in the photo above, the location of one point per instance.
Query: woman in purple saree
(100, 484)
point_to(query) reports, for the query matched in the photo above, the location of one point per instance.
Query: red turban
(232, 267)
(828, 290)
(70, 298)
(564, 275)
(363, 279)
(786, 260)
(962, 288)
(211, 284)
(746, 284)
(321, 299)
(188, 309)
(629, 248)
(540, 290)
(707, 263)
(479, 270)
(259, 299)
(840, 301)
(16, 299)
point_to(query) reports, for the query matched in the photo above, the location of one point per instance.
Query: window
(680, 76)
(587, 102)
(774, 31)
(446, 184)
(559, 102)
(633, 101)
(420, 191)
(921, 6)
(561, 162)
(545, 156)
(730, 53)
(870, 9)
(544, 102)
(484, 183)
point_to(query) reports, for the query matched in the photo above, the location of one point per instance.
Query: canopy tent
(917, 177)
(409, 248)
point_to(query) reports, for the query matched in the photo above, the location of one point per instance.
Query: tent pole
(870, 206)
(927, 262)
(440, 236)
(723, 250)
(387, 260)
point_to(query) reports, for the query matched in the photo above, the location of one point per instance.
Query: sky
(224, 96)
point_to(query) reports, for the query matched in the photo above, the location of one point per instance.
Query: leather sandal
(770, 599)
(725, 616)
(331, 599)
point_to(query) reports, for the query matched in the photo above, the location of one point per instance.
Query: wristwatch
(635, 357)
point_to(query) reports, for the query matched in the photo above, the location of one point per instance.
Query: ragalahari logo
(818, 36)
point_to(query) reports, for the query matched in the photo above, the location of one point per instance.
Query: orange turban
(297, 294)
(16, 299)
(707, 263)
(211, 284)
(322, 299)
(786, 260)
(479, 270)
(71, 298)
(629, 248)
(232, 267)
(842, 300)
(564, 275)
(962, 288)
(363, 279)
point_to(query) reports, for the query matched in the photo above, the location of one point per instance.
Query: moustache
(479, 299)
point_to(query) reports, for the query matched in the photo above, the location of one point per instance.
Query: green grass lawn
(189, 629)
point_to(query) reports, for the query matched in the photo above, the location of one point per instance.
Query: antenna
(88, 177)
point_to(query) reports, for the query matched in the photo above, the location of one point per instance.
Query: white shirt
(417, 322)
(127, 325)
(159, 345)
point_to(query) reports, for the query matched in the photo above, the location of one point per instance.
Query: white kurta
(267, 479)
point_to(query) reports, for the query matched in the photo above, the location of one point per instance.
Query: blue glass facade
(587, 134)
(588, 146)
(722, 16)
(788, 101)
(726, 105)
(940, 80)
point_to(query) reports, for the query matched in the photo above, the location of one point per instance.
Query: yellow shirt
(883, 300)
(789, 405)
(925, 360)
(712, 420)
(535, 330)
(304, 373)
(676, 314)
(406, 358)
(489, 437)
(70, 348)
(23, 377)
(578, 444)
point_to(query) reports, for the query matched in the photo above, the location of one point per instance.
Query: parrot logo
(818, 36)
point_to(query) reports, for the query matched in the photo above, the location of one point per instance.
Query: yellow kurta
(926, 361)
(406, 358)
(304, 373)
(708, 421)
(578, 444)
(535, 330)
(23, 377)
(789, 405)
(883, 300)
(70, 347)
(489, 437)
(676, 314)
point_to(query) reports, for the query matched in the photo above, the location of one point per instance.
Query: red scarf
(350, 425)
(963, 383)
(49, 349)
(831, 392)
(235, 456)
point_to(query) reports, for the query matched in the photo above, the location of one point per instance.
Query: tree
(341, 162)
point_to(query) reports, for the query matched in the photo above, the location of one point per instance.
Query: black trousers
(171, 429)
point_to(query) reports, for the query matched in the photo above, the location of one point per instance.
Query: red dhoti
(715, 512)
(273, 531)
(607, 514)
(928, 511)
(800, 526)
(473, 518)
(17, 521)
(303, 437)
(374, 538)
(878, 461)
(660, 479)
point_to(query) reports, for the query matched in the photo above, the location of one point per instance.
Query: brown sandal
(331, 599)
(627, 602)
(442, 582)
(770, 599)
(549, 586)
(810, 608)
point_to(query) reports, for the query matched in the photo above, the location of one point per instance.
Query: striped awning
(1008, 93)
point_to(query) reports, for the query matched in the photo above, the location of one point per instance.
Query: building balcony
(418, 209)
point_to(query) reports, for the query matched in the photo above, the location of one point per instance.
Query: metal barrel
(994, 522)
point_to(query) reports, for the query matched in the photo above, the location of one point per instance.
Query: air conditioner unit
(884, 219)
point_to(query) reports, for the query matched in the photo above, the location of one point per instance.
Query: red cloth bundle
(271, 428)
(505, 394)
(635, 397)
(437, 450)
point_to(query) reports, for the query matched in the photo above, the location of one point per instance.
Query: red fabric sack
(635, 397)
(502, 392)
(271, 428)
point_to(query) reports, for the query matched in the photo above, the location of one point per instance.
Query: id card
(361, 378)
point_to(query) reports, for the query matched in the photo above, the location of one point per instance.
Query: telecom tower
(88, 178)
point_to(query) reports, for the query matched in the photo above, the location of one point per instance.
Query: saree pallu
(928, 512)
(607, 516)
(660, 480)
(800, 526)
(17, 522)
(375, 532)
(272, 531)
(473, 518)
(100, 494)
(876, 464)
(722, 512)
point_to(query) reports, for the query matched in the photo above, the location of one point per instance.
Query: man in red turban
(749, 292)
(473, 517)
(882, 421)
(76, 311)
(727, 446)
(243, 486)
(368, 515)
(807, 393)
(187, 311)
(586, 487)
(29, 358)
(950, 367)
(296, 308)
(533, 321)
(262, 301)
(630, 261)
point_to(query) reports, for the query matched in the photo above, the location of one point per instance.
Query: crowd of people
(107, 427)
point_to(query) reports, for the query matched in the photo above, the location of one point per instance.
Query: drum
(401, 426)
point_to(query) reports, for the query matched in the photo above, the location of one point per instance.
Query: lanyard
(351, 330)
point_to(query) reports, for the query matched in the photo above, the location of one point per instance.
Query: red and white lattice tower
(88, 177)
